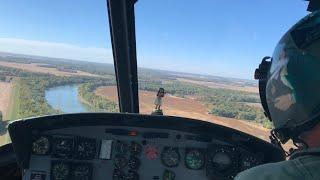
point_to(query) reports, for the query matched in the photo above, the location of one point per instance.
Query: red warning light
(133, 133)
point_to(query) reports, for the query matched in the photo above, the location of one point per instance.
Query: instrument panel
(134, 153)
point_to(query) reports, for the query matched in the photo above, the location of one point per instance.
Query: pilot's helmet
(290, 83)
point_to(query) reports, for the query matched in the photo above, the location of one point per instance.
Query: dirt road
(186, 107)
(5, 94)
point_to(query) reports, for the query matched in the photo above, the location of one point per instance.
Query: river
(65, 99)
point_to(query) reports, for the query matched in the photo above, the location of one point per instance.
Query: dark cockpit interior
(129, 145)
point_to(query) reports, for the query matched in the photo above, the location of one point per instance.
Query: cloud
(53, 49)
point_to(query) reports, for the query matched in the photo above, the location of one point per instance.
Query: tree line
(99, 104)
(221, 102)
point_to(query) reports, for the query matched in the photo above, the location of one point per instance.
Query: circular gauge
(60, 171)
(135, 148)
(82, 172)
(85, 149)
(120, 161)
(168, 175)
(41, 146)
(195, 159)
(121, 147)
(63, 147)
(249, 162)
(170, 157)
(151, 152)
(134, 163)
(132, 175)
(222, 161)
(118, 175)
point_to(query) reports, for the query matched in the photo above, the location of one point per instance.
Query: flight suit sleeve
(274, 171)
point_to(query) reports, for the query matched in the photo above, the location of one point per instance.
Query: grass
(14, 101)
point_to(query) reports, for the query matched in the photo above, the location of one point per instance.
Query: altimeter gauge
(82, 172)
(60, 170)
(134, 163)
(85, 149)
(63, 147)
(120, 161)
(194, 159)
(41, 145)
(170, 156)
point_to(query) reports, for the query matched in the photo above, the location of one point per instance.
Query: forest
(30, 99)
(220, 102)
(100, 104)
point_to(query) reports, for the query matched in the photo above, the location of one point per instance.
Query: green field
(14, 102)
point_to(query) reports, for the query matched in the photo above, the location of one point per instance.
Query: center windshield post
(122, 30)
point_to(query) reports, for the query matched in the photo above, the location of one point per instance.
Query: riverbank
(98, 103)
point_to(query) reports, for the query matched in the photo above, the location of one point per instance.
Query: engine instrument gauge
(132, 175)
(121, 147)
(41, 145)
(168, 175)
(63, 146)
(170, 156)
(118, 175)
(82, 172)
(134, 163)
(85, 149)
(222, 161)
(249, 160)
(194, 159)
(60, 170)
(135, 148)
(120, 161)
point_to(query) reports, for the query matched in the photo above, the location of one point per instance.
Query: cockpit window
(56, 57)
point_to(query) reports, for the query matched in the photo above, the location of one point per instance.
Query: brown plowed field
(221, 86)
(33, 67)
(186, 107)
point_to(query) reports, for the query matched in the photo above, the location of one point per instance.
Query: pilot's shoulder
(272, 171)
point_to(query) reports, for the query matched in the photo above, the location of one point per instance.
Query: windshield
(56, 57)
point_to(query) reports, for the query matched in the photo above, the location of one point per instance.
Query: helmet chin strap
(279, 137)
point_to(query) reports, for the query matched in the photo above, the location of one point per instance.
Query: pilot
(289, 86)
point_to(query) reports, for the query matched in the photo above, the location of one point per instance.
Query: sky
(213, 37)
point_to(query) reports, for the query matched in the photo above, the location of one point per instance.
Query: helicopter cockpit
(129, 145)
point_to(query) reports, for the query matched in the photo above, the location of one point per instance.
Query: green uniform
(305, 165)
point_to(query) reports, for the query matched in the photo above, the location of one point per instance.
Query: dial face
(195, 159)
(168, 175)
(85, 149)
(41, 146)
(82, 172)
(60, 171)
(170, 157)
(120, 161)
(118, 175)
(134, 163)
(222, 161)
(63, 146)
(135, 148)
(249, 162)
(132, 175)
(121, 147)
